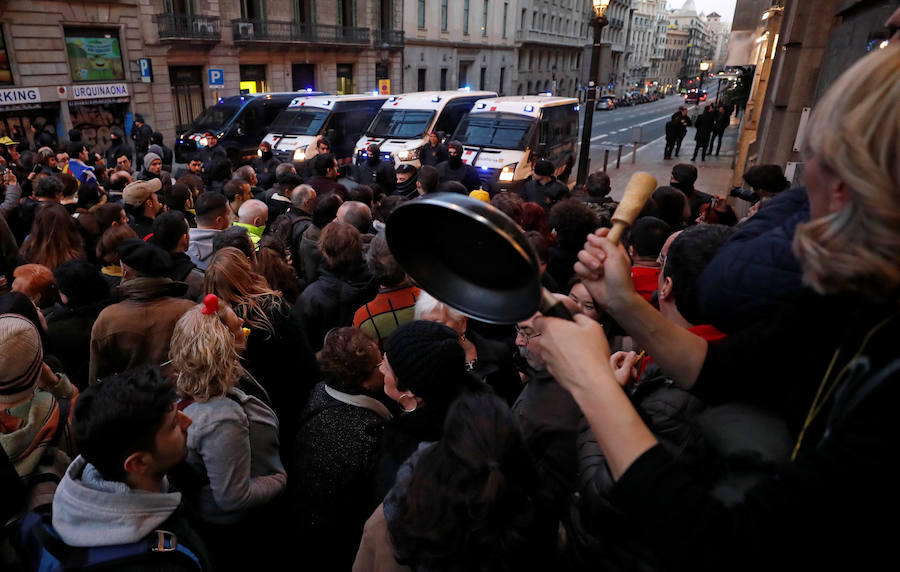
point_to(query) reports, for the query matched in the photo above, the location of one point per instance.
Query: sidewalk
(714, 174)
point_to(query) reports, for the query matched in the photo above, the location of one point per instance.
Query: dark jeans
(670, 146)
(701, 145)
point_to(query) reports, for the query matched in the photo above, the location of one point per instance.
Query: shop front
(95, 109)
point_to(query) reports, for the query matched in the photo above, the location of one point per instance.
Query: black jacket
(265, 170)
(544, 195)
(141, 137)
(331, 301)
(382, 175)
(465, 174)
(433, 156)
(69, 338)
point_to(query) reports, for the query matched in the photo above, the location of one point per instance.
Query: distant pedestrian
(704, 127)
(544, 188)
(723, 119)
(140, 134)
(682, 130)
(673, 130)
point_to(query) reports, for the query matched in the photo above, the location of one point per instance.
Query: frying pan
(472, 257)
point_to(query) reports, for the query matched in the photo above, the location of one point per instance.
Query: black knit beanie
(426, 358)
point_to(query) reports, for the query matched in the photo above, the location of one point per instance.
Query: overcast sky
(723, 7)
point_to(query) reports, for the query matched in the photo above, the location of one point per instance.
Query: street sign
(146, 70)
(384, 86)
(216, 77)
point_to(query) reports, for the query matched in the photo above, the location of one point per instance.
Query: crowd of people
(226, 368)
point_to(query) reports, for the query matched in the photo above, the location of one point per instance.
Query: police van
(402, 125)
(503, 137)
(341, 119)
(239, 123)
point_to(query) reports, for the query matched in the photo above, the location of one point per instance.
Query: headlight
(300, 153)
(259, 153)
(409, 154)
(507, 173)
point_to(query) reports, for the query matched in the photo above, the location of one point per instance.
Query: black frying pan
(470, 256)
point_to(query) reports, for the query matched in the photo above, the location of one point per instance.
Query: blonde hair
(204, 353)
(230, 277)
(854, 133)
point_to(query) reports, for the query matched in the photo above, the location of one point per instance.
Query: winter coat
(184, 270)
(69, 338)
(465, 174)
(138, 330)
(325, 186)
(755, 274)
(545, 195)
(335, 453)
(433, 156)
(382, 175)
(704, 126)
(141, 137)
(265, 170)
(331, 301)
(234, 442)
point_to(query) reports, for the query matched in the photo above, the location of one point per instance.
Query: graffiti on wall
(96, 122)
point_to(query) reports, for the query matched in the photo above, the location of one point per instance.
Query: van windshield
(406, 123)
(300, 121)
(496, 130)
(215, 117)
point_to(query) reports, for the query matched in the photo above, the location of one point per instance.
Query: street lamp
(599, 22)
(704, 67)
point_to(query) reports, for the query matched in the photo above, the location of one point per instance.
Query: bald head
(253, 212)
(356, 214)
(304, 198)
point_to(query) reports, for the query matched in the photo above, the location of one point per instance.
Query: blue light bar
(436, 98)
(529, 109)
(481, 106)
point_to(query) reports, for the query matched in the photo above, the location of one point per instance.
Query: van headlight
(507, 173)
(300, 153)
(409, 154)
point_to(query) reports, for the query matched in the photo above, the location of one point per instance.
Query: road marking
(598, 137)
(621, 130)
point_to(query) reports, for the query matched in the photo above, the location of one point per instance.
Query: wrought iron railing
(182, 26)
(393, 38)
(274, 31)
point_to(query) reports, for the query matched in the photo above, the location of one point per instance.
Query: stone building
(673, 59)
(458, 43)
(551, 36)
(93, 65)
(648, 38)
(698, 47)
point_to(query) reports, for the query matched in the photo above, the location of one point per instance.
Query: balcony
(246, 31)
(549, 38)
(191, 28)
(393, 38)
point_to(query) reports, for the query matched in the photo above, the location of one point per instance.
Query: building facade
(459, 43)
(673, 59)
(93, 65)
(698, 47)
(551, 37)
(648, 36)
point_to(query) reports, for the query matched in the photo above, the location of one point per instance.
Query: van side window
(452, 114)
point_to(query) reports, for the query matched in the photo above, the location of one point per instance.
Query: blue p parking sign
(146, 70)
(216, 77)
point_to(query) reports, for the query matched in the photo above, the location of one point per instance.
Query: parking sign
(216, 77)
(146, 70)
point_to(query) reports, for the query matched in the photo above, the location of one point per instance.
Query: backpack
(43, 550)
(288, 228)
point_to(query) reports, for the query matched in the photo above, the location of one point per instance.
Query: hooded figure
(117, 147)
(376, 172)
(453, 169)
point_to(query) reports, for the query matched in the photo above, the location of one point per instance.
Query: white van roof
(530, 105)
(431, 99)
(328, 101)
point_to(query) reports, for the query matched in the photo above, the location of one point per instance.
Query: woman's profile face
(582, 297)
(236, 327)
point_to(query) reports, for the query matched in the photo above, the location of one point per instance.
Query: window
(94, 55)
(443, 15)
(466, 17)
(443, 79)
(421, 79)
(5, 71)
(187, 94)
(505, 14)
(502, 77)
(484, 16)
(482, 78)
(421, 14)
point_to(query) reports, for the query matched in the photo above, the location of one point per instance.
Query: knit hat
(136, 193)
(147, 259)
(684, 173)
(21, 357)
(138, 118)
(543, 168)
(426, 358)
(149, 158)
(156, 150)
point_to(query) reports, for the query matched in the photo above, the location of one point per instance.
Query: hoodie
(88, 510)
(200, 249)
(331, 301)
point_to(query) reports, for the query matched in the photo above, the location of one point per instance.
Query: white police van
(341, 119)
(402, 125)
(503, 137)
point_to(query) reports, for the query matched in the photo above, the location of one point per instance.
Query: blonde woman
(829, 365)
(278, 354)
(233, 451)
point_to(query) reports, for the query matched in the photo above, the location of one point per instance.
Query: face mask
(373, 159)
(266, 155)
(455, 161)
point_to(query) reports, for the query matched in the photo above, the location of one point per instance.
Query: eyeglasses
(525, 334)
